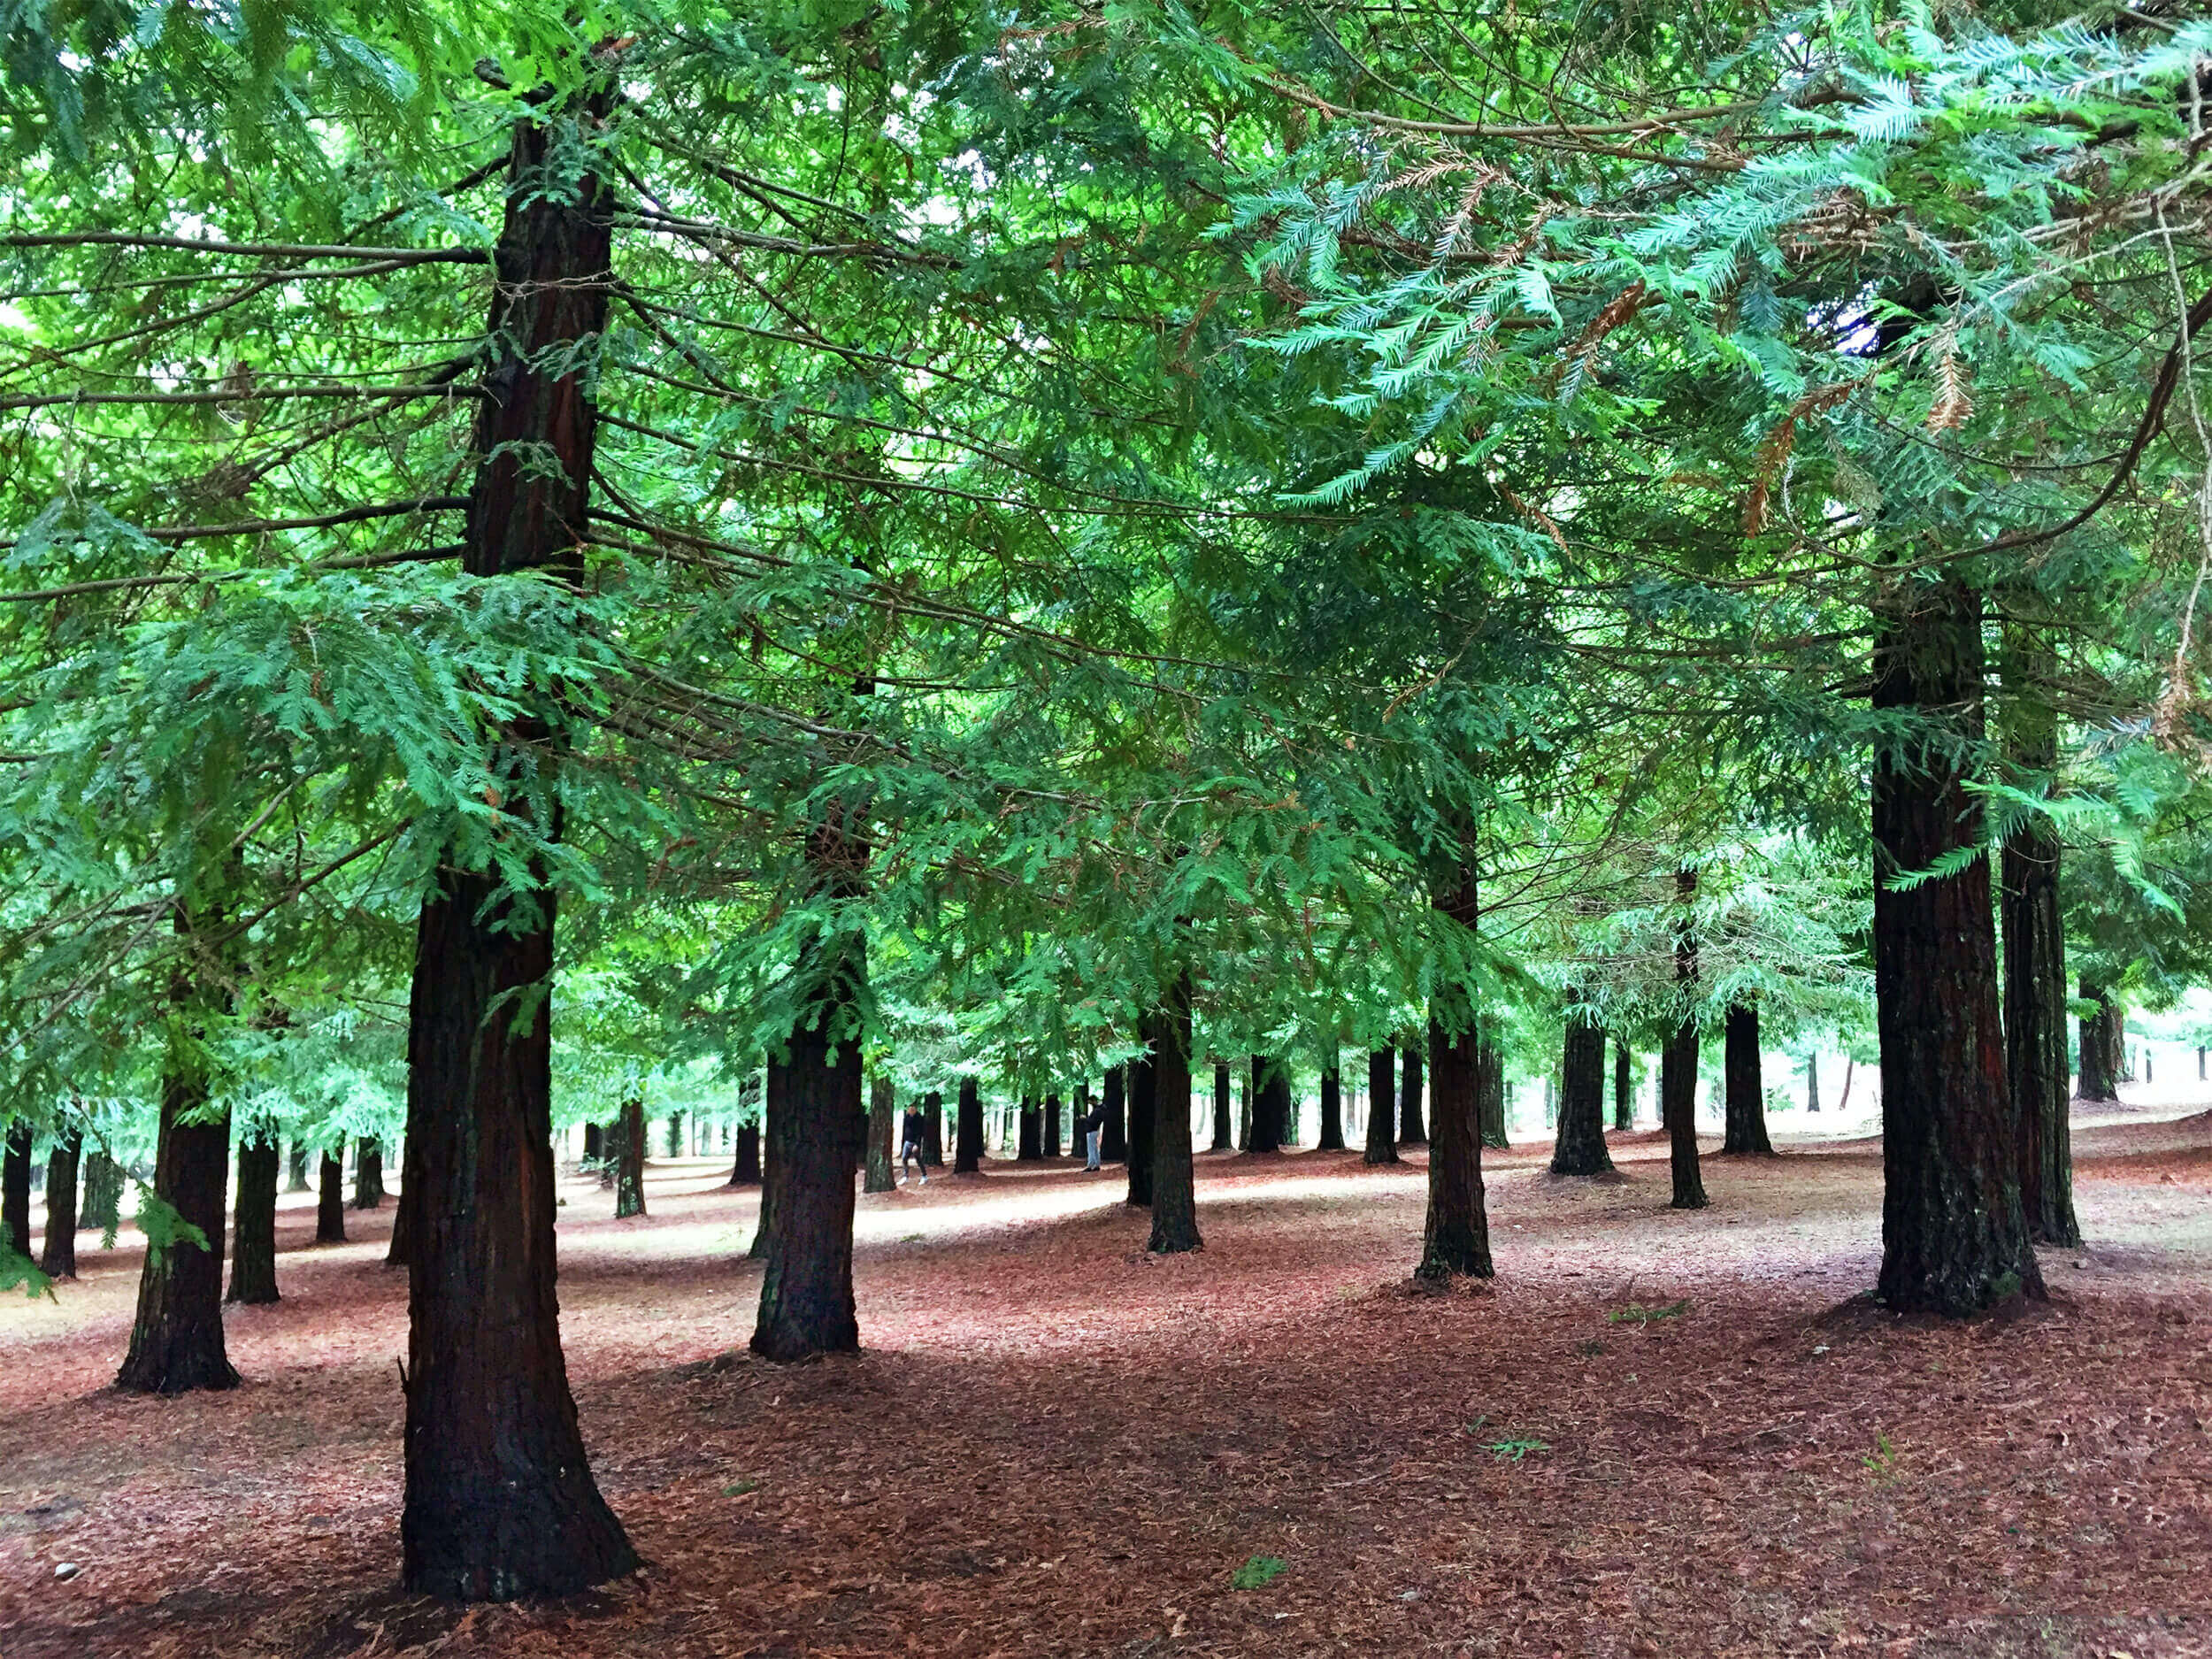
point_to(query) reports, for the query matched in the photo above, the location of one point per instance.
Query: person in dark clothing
(1094, 1124)
(910, 1136)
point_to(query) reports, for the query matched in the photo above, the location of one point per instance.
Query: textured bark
(745, 1157)
(934, 1130)
(1225, 1110)
(1678, 1075)
(1745, 1099)
(2099, 1047)
(177, 1337)
(1623, 1088)
(15, 1187)
(1166, 1031)
(629, 1161)
(1954, 1238)
(1382, 1107)
(1579, 1146)
(879, 1176)
(1113, 1131)
(1143, 1099)
(1332, 1111)
(1051, 1124)
(253, 1220)
(59, 1258)
(818, 1128)
(368, 1172)
(295, 1167)
(1455, 1237)
(2035, 1015)
(764, 1220)
(499, 1498)
(967, 1149)
(1411, 1133)
(1490, 1092)
(330, 1207)
(102, 1193)
(1271, 1102)
(1029, 1133)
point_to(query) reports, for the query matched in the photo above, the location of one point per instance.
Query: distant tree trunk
(1382, 1107)
(1143, 1097)
(1849, 1067)
(401, 1251)
(1411, 1133)
(1166, 1031)
(2035, 981)
(330, 1207)
(879, 1176)
(934, 1130)
(15, 1187)
(1244, 1114)
(1580, 1148)
(1225, 1115)
(368, 1172)
(629, 1160)
(177, 1337)
(967, 1145)
(675, 1134)
(1812, 1082)
(1052, 1127)
(1746, 1105)
(103, 1184)
(1455, 1239)
(1623, 1088)
(58, 1259)
(1271, 1102)
(1490, 1090)
(1954, 1238)
(253, 1216)
(764, 1220)
(2100, 1068)
(295, 1166)
(1332, 1111)
(745, 1161)
(1677, 1080)
(1030, 1140)
(1113, 1132)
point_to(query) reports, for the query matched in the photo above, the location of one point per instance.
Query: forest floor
(1653, 1433)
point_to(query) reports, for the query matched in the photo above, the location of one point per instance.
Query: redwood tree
(1271, 1102)
(1954, 1238)
(1113, 1130)
(1332, 1111)
(1225, 1112)
(15, 1186)
(368, 1172)
(1579, 1146)
(1411, 1133)
(1624, 1089)
(253, 1238)
(1166, 1031)
(1677, 1071)
(1744, 1093)
(629, 1160)
(877, 1177)
(1455, 1239)
(1490, 1091)
(967, 1141)
(1382, 1107)
(1143, 1100)
(59, 1258)
(330, 1199)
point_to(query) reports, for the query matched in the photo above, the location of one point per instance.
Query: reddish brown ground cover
(1055, 1445)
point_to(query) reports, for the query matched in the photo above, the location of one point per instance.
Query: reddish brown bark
(1382, 1107)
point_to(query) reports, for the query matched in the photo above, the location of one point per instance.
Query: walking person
(911, 1131)
(1094, 1124)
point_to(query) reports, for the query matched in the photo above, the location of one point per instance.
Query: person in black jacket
(1093, 1122)
(910, 1134)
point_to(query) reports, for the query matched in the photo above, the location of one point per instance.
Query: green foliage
(1637, 1313)
(1258, 1572)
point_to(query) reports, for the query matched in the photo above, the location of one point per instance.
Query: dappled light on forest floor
(1653, 1433)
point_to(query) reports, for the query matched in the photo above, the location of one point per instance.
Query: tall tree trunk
(103, 1184)
(1225, 1110)
(401, 1251)
(967, 1144)
(1271, 1102)
(1113, 1131)
(745, 1157)
(1579, 1147)
(1411, 1133)
(764, 1218)
(253, 1217)
(1051, 1122)
(1954, 1238)
(1490, 1090)
(1143, 1098)
(1623, 1088)
(1245, 1114)
(629, 1161)
(934, 1130)
(879, 1177)
(1166, 1031)
(1382, 1107)
(59, 1258)
(368, 1172)
(1677, 1078)
(295, 1166)
(499, 1498)
(330, 1207)
(1812, 1081)
(1332, 1111)
(2099, 1070)
(675, 1134)
(1745, 1100)
(1029, 1133)
(15, 1187)
(1456, 1238)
